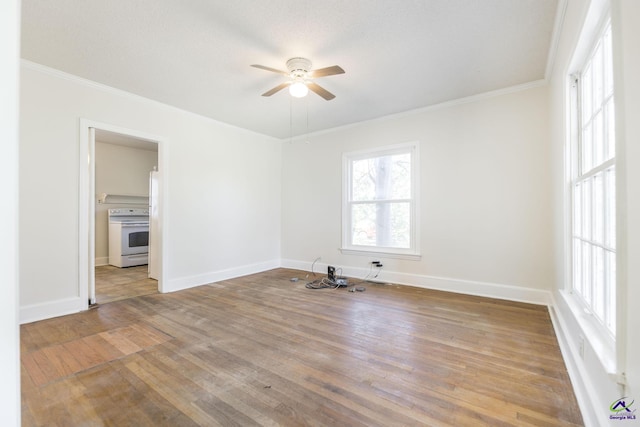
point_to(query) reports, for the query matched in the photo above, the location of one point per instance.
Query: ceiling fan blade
(328, 71)
(262, 67)
(276, 89)
(321, 91)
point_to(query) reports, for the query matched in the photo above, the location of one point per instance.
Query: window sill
(381, 253)
(600, 341)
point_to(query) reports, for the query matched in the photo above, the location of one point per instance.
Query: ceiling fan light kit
(298, 89)
(301, 74)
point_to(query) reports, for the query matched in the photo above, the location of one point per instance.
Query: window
(379, 208)
(593, 186)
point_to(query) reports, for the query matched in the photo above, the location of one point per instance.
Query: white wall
(9, 332)
(120, 170)
(485, 212)
(595, 388)
(222, 189)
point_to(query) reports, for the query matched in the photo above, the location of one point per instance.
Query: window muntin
(380, 200)
(593, 187)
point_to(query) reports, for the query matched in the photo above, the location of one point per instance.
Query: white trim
(86, 202)
(623, 305)
(301, 138)
(50, 309)
(441, 106)
(91, 278)
(598, 333)
(10, 413)
(580, 379)
(86, 193)
(561, 12)
(187, 282)
(413, 251)
(382, 253)
(593, 23)
(461, 286)
(594, 332)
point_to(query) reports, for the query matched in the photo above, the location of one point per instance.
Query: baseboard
(468, 287)
(582, 385)
(181, 283)
(47, 310)
(102, 261)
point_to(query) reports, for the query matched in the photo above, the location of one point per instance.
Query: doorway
(117, 175)
(123, 165)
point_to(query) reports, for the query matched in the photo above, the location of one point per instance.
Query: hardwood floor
(114, 284)
(262, 350)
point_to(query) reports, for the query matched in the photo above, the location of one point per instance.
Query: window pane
(586, 209)
(400, 225)
(587, 149)
(586, 272)
(382, 178)
(610, 225)
(577, 266)
(363, 220)
(598, 142)
(598, 283)
(598, 208)
(381, 224)
(598, 78)
(362, 183)
(577, 210)
(401, 176)
(608, 64)
(586, 85)
(611, 130)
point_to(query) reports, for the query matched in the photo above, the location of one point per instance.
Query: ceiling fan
(302, 76)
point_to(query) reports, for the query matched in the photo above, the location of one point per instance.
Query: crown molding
(434, 107)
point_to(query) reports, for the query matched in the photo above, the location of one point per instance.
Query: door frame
(87, 201)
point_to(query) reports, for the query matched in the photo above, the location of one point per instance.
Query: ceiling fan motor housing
(299, 67)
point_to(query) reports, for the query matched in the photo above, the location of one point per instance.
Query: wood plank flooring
(264, 351)
(114, 284)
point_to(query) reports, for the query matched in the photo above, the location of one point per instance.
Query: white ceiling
(196, 54)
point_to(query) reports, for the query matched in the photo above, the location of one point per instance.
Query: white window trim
(605, 338)
(411, 253)
(600, 339)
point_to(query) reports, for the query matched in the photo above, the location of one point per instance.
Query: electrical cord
(323, 283)
(326, 283)
(368, 276)
(313, 264)
(369, 273)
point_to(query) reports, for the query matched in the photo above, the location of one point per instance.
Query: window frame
(599, 334)
(348, 247)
